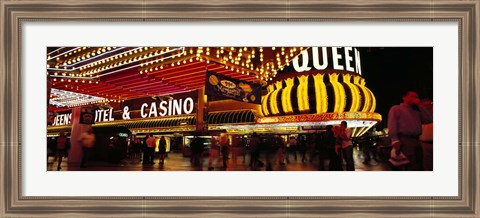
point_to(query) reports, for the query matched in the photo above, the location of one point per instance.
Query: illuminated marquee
(337, 54)
(323, 80)
(318, 93)
(164, 108)
(168, 108)
(320, 117)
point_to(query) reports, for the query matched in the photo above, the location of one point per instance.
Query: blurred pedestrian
(136, 150)
(280, 147)
(302, 148)
(87, 141)
(254, 149)
(224, 148)
(149, 152)
(162, 149)
(405, 127)
(236, 148)
(336, 159)
(327, 151)
(367, 149)
(291, 148)
(196, 146)
(61, 148)
(214, 152)
(347, 146)
(270, 149)
(311, 147)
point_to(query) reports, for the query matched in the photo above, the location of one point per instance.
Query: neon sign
(341, 59)
(147, 110)
(170, 108)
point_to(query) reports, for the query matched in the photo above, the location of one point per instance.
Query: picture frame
(15, 13)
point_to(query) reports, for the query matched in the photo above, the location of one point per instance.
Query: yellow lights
(374, 102)
(266, 101)
(366, 94)
(339, 93)
(286, 96)
(360, 98)
(273, 99)
(273, 102)
(320, 93)
(302, 94)
(355, 93)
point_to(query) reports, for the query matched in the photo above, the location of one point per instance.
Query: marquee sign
(169, 107)
(321, 58)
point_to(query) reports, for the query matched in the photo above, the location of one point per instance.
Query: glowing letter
(316, 58)
(336, 57)
(304, 66)
(358, 67)
(153, 110)
(190, 105)
(348, 58)
(142, 110)
(163, 108)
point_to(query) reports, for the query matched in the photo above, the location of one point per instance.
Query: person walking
(291, 148)
(302, 148)
(150, 150)
(405, 127)
(326, 150)
(162, 149)
(136, 150)
(254, 149)
(347, 146)
(87, 141)
(280, 146)
(336, 159)
(214, 153)
(224, 148)
(236, 148)
(61, 148)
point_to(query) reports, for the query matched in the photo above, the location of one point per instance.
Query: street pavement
(177, 162)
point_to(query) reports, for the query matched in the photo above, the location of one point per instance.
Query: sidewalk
(176, 162)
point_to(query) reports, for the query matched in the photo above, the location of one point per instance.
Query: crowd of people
(409, 145)
(330, 149)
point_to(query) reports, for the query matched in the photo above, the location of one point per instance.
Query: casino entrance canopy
(120, 73)
(112, 75)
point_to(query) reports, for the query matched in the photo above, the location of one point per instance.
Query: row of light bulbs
(86, 103)
(128, 57)
(122, 55)
(83, 54)
(234, 58)
(75, 80)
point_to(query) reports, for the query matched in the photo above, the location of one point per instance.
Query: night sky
(389, 71)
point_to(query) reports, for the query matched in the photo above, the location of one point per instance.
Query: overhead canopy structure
(116, 74)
